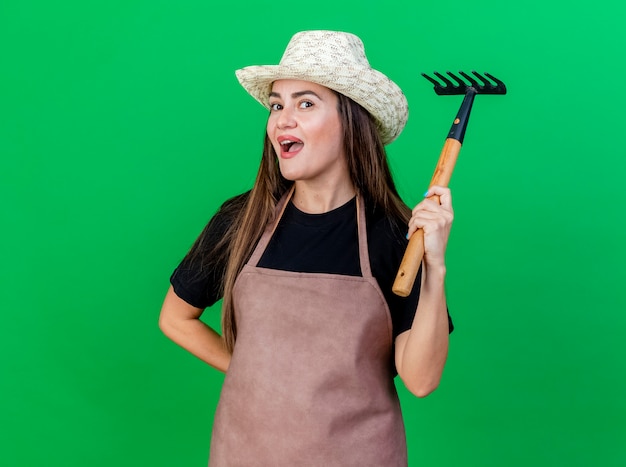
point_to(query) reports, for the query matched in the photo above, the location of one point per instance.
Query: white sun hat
(336, 60)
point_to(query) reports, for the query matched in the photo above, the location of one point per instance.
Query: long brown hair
(369, 172)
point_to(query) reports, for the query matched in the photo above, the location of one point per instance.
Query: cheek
(269, 128)
(334, 136)
(329, 130)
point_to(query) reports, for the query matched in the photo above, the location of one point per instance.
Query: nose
(286, 119)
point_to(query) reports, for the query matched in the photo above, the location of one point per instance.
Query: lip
(288, 154)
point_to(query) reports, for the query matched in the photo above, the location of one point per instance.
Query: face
(305, 129)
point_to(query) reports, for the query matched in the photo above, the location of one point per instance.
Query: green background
(123, 128)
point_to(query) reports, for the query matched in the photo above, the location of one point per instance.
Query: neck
(318, 200)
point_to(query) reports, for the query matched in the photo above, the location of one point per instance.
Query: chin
(291, 175)
(291, 178)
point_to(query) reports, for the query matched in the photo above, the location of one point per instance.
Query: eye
(275, 106)
(305, 104)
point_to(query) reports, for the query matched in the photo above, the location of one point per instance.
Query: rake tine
(449, 84)
(434, 81)
(500, 85)
(482, 78)
(488, 87)
(462, 84)
(473, 82)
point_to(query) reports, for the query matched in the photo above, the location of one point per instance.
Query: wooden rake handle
(414, 253)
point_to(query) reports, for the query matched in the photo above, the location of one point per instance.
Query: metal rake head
(459, 86)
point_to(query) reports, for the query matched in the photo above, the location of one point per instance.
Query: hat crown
(323, 47)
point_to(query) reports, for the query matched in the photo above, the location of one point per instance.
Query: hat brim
(374, 91)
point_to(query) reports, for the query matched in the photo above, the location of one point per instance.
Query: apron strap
(269, 230)
(364, 256)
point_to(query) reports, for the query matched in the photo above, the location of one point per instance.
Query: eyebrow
(295, 95)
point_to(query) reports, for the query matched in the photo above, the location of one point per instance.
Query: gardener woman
(312, 334)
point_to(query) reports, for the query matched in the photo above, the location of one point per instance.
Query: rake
(476, 84)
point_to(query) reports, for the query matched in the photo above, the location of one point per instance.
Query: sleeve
(194, 287)
(199, 278)
(387, 247)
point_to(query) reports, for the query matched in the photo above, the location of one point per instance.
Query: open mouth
(289, 145)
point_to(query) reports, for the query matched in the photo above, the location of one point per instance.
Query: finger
(428, 205)
(420, 221)
(436, 190)
(427, 216)
(412, 229)
(429, 222)
(444, 194)
(439, 224)
(431, 214)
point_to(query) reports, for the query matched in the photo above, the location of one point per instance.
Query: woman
(312, 335)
